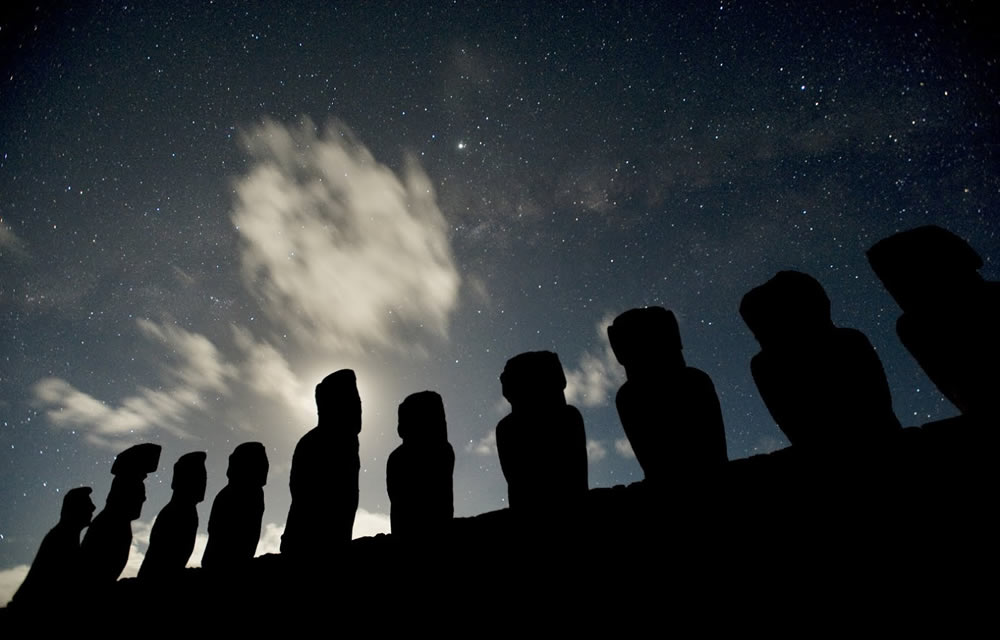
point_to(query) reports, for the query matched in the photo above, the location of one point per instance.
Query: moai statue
(172, 538)
(670, 411)
(951, 314)
(419, 471)
(324, 476)
(106, 545)
(542, 444)
(824, 385)
(234, 524)
(54, 578)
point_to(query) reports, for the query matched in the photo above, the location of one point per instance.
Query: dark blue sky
(207, 207)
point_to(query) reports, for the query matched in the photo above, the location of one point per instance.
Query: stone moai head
(130, 469)
(533, 380)
(422, 419)
(646, 340)
(338, 401)
(248, 465)
(788, 309)
(190, 477)
(925, 268)
(77, 508)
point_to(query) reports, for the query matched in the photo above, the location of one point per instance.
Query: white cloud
(199, 368)
(342, 251)
(624, 448)
(598, 374)
(268, 373)
(596, 451)
(270, 539)
(370, 523)
(10, 580)
(10, 242)
(485, 446)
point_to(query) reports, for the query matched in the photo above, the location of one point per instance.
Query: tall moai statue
(324, 476)
(951, 314)
(172, 538)
(670, 411)
(824, 385)
(542, 443)
(54, 578)
(235, 521)
(106, 545)
(419, 471)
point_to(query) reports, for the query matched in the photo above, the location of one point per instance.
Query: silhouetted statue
(951, 315)
(172, 538)
(670, 411)
(54, 577)
(419, 472)
(324, 475)
(542, 444)
(234, 524)
(106, 546)
(824, 385)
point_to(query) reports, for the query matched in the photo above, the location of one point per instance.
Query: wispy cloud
(596, 451)
(10, 242)
(624, 448)
(598, 373)
(343, 252)
(10, 580)
(198, 368)
(485, 446)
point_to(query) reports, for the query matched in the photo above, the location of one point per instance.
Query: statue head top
(422, 419)
(130, 469)
(77, 508)
(925, 267)
(788, 309)
(534, 380)
(190, 476)
(646, 339)
(338, 402)
(248, 465)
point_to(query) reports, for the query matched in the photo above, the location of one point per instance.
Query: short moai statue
(669, 411)
(106, 545)
(324, 475)
(235, 521)
(542, 443)
(419, 471)
(951, 314)
(824, 385)
(54, 578)
(172, 538)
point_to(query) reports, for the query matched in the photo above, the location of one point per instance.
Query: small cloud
(10, 580)
(624, 448)
(200, 369)
(597, 375)
(486, 446)
(369, 523)
(596, 451)
(10, 243)
(270, 539)
(343, 252)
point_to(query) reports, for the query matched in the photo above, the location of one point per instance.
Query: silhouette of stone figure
(824, 385)
(419, 471)
(235, 521)
(324, 476)
(670, 411)
(106, 546)
(542, 443)
(54, 577)
(951, 314)
(172, 539)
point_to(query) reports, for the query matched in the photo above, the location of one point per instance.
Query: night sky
(206, 207)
